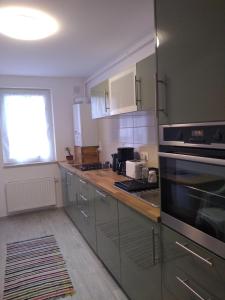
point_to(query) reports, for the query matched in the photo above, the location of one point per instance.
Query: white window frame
(50, 122)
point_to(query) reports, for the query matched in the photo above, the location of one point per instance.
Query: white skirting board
(30, 194)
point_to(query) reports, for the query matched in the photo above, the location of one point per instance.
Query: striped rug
(36, 270)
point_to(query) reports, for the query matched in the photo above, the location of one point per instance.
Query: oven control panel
(196, 134)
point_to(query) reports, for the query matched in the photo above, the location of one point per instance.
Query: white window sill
(29, 164)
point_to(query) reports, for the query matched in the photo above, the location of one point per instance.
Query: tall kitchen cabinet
(190, 60)
(139, 255)
(100, 100)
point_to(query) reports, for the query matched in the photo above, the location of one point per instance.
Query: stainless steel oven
(192, 179)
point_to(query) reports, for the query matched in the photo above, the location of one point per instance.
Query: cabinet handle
(106, 96)
(153, 245)
(101, 194)
(185, 284)
(82, 181)
(84, 198)
(206, 260)
(83, 213)
(164, 83)
(138, 93)
(68, 181)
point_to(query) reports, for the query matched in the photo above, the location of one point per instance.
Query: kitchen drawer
(87, 226)
(83, 189)
(186, 263)
(86, 211)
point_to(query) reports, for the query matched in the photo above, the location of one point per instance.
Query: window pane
(27, 127)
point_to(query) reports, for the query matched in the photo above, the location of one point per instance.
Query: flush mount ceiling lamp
(25, 23)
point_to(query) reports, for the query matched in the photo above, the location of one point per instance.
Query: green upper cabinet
(122, 92)
(145, 83)
(134, 89)
(131, 90)
(190, 60)
(100, 100)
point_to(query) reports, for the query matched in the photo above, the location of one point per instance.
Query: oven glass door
(194, 193)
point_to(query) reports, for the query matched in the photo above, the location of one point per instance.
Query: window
(27, 126)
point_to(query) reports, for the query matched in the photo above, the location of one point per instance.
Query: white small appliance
(134, 168)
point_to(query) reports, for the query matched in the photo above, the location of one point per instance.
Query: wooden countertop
(104, 179)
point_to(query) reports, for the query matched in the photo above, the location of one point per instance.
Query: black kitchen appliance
(134, 185)
(192, 180)
(114, 161)
(88, 167)
(124, 154)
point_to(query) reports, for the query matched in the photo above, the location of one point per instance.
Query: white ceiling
(93, 33)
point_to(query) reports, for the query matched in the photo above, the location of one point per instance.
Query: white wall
(63, 91)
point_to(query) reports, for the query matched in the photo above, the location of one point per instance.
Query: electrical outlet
(144, 155)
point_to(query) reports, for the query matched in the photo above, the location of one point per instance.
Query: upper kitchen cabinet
(190, 60)
(133, 89)
(85, 129)
(122, 92)
(145, 83)
(100, 100)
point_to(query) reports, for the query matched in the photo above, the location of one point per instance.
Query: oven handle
(207, 160)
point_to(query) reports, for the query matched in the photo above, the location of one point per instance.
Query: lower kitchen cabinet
(139, 255)
(190, 272)
(127, 242)
(107, 231)
(69, 207)
(69, 187)
(86, 212)
(64, 186)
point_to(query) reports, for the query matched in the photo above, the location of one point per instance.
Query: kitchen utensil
(152, 176)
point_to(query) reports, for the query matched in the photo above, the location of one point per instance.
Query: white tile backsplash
(133, 130)
(126, 135)
(145, 120)
(145, 135)
(126, 121)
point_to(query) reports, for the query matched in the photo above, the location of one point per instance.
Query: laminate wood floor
(90, 278)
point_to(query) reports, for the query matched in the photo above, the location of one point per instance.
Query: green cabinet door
(69, 204)
(75, 186)
(145, 85)
(86, 218)
(190, 60)
(100, 100)
(64, 186)
(106, 209)
(139, 254)
(190, 272)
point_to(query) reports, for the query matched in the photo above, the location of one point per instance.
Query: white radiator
(30, 194)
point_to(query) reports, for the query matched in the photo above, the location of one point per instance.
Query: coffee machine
(124, 154)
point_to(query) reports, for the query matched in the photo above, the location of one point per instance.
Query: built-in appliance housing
(192, 179)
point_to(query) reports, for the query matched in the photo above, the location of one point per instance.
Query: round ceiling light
(25, 23)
